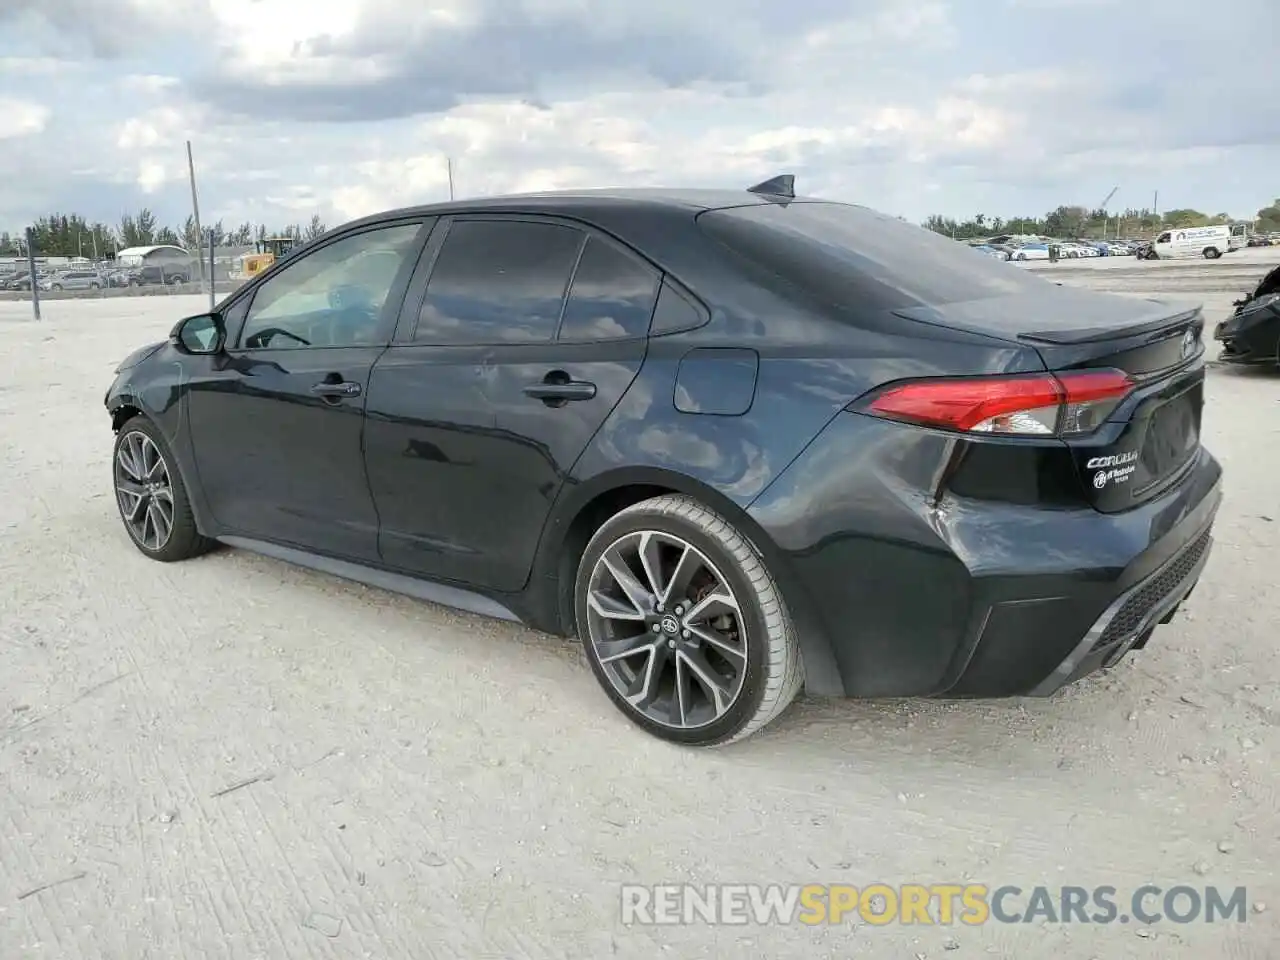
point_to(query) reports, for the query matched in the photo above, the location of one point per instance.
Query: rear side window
(612, 295)
(849, 255)
(498, 281)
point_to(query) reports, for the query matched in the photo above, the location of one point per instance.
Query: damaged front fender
(1251, 335)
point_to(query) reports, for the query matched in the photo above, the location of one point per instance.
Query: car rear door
(524, 336)
(277, 421)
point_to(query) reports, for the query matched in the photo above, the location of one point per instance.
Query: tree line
(1071, 222)
(71, 235)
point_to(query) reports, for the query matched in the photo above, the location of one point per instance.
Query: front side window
(332, 297)
(498, 281)
(612, 295)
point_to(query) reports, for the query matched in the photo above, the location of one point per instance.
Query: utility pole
(195, 209)
(1155, 204)
(449, 161)
(31, 272)
(213, 300)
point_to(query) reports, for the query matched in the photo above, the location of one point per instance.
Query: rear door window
(612, 295)
(850, 255)
(498, 281)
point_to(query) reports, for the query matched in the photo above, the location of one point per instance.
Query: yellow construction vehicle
(266, 252)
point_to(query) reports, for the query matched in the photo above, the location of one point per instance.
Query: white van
(1207, 242)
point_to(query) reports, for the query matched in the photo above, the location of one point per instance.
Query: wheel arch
(128, 407)
(584, 507)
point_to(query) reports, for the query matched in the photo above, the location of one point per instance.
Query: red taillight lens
(1040, 405)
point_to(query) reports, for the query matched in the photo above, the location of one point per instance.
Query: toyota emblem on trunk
(1188, 343)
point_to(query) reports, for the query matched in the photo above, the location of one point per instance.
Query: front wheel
(683, 626)
(151, 496)
(1211, 253)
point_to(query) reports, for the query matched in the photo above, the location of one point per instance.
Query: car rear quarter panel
(901, 570)
(812, 363)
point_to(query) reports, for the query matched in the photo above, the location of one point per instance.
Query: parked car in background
(991, 251)
(738, 442)
(118, 277)
(22, 280)
(1031, 251)
(164, 273)
(73, 280)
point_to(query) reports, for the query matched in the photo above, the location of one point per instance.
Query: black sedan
(740, 443)
(1251, 335)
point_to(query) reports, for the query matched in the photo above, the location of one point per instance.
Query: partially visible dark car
(1251, 335)
(161, 273)
(21, 280)
(738, 442)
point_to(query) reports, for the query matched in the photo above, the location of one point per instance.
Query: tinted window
(611, 297)
(498, 281)
(333, 296)
(674, 312)
(852, 255)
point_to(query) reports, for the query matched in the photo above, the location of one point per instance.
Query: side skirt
(431, 592)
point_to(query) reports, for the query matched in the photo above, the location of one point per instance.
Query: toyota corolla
(740, 443)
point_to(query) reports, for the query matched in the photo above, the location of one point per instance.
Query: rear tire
(683, 626)
(151, 497)
(1212, 253)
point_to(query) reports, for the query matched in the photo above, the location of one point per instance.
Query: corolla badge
(1116, 468)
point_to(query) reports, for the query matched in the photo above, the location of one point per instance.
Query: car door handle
(561, 391)
(335, 391)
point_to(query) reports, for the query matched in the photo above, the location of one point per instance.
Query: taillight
(1064, 404)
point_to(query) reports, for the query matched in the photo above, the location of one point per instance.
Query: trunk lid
(1149, 441)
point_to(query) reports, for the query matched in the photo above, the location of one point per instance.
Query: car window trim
(390, 308)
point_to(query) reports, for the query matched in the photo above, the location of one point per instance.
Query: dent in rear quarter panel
(902, 580)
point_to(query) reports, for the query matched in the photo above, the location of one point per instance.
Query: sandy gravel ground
(233, 758)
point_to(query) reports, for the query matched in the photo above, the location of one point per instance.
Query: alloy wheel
(666, 629)
(144, 490)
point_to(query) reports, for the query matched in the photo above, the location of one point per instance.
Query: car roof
(586, 203)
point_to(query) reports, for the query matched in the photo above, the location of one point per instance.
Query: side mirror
(200, 335)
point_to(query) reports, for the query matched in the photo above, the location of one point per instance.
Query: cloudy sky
(344, 107)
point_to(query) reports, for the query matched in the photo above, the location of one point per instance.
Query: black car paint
(897, 548)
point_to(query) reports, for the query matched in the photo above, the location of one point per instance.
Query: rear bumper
(953, 596)
(1131, 618)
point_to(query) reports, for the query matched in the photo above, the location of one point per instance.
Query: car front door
(277, 420)
(518, 339)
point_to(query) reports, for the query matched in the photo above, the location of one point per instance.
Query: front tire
(1211, 253)
(683, 626)
(151, 496)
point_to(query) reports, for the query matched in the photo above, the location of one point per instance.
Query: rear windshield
(853, 256)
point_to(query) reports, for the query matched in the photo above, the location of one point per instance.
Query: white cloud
(21, 118)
